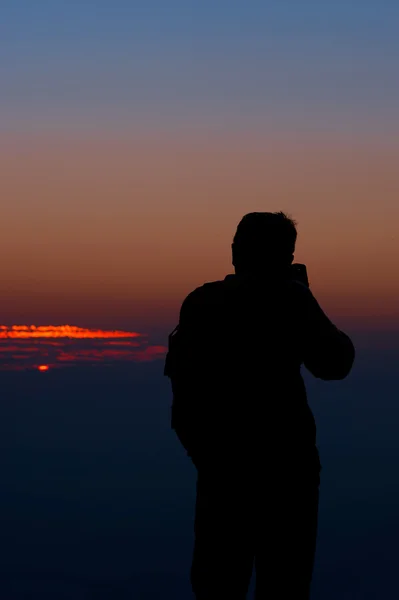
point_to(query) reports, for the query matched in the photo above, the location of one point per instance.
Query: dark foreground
(97, 497)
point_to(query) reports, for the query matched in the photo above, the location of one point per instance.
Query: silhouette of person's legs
(286, 541)
(269, 519)
(224, 545)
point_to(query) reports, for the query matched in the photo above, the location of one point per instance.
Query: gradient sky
(134, 136)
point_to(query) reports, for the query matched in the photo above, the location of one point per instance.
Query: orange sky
(115, 229)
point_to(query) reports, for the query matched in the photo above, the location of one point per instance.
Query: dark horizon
(98, 495)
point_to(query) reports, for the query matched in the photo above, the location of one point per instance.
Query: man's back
(243, 342)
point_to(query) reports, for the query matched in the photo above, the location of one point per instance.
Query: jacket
(238, 391)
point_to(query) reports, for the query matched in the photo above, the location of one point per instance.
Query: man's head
(264, 241)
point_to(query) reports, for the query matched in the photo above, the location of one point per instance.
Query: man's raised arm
(329, 353)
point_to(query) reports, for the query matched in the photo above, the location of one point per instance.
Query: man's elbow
(333, 368)
(330, 373)
(338, 374)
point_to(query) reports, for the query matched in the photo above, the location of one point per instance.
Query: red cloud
(33, 347)
(60, 331)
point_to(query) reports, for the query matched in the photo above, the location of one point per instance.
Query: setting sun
(43, 368)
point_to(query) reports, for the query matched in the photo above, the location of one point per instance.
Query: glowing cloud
(61, 331)
(33, 347)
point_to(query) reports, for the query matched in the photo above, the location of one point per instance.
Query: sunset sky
(135, 135)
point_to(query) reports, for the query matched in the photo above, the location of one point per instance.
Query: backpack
(170, 368)
(180, 410)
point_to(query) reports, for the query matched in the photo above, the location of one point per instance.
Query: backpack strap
(168, 369)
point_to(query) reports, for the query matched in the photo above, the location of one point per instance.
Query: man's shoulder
(205, 292)
(212, 291)
(199, 303)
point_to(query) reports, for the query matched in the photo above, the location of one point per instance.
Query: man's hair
(264, 237)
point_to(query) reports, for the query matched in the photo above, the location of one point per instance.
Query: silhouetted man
(240, 410)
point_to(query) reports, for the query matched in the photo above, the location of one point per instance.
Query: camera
(298, 272)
